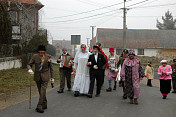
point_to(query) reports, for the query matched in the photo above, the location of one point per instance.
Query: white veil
(80, 51)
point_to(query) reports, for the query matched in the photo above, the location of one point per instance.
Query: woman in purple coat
(132, 73)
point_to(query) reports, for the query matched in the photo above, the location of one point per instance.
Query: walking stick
(30, 92)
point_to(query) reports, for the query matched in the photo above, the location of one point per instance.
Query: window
(14, 17)
(118, 51)
(140, 51)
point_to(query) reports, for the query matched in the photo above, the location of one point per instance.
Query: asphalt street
(109, 104)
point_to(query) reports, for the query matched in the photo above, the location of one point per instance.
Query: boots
(136, 101)
(131, 101)
(114, 88)
(109, 89)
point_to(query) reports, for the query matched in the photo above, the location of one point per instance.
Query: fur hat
(131, 52)
(163, 61)
(41, 48)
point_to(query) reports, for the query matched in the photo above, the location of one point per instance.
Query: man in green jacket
(174, 75)
(120, 62)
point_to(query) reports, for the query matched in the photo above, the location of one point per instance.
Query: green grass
(14, 79)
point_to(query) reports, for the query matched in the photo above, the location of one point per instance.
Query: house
(24, 17)
(160, 43)
(60, 44)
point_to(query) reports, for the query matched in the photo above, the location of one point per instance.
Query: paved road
(110, 104)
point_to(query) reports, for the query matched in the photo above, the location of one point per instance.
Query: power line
(89, 11)
(163, 5)
(138, 3)
(88, 19)
(108, 12)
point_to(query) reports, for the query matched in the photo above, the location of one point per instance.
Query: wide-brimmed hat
(41, 48)
(163, 61)
(96, 46)
(131, 52)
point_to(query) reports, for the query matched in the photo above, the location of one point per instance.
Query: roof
(137, 38)
(32, 2)
(63, 44)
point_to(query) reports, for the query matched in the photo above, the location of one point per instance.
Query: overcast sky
(62, 18)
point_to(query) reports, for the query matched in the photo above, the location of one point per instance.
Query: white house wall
(150, 52)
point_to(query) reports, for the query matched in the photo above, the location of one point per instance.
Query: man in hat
(112, 72)
(96, 62)
(65, 68)
(120, 63)
(42, 62)
(106, 58)
(174, 75)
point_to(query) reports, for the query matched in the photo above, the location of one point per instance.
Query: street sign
(75, 39)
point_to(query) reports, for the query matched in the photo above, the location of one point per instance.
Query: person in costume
(119, 64)
(106, 58)
(65, 69)
(164, 72)
(112, 72)
(43, 65)
(149, 73)
(174, 76)
(132, 73)
(82, 78)
(96, 62)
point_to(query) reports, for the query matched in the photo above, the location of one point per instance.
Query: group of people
(87, 68)
(89, 65)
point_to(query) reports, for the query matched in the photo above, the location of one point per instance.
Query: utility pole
(87, 41)
(124, 25)
(92, 35)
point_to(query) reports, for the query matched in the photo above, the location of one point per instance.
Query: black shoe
(124, 97)
(69, 89)
(76, 93)
(164, 97)
(89, 95)
(109, 89)
(39, 110)
(44, 108)
(61, 91)
(97, 95)
(114, 88)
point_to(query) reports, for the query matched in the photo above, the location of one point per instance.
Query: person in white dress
(82, 80)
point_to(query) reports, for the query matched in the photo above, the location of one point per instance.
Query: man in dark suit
(43, 65)
(96, 62)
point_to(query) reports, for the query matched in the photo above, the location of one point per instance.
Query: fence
(9, 63)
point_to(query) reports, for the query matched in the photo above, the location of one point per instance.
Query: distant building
(159, 43)
(60, 44)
